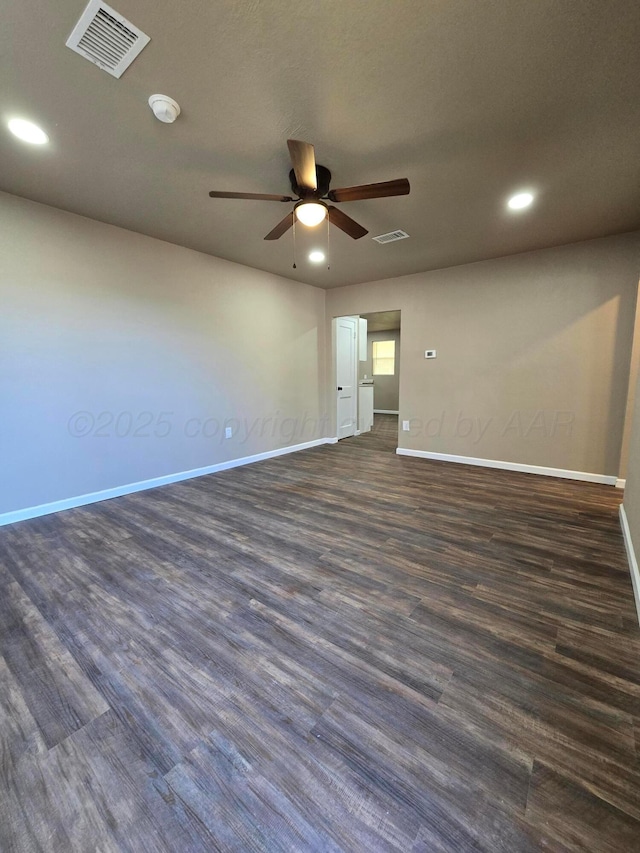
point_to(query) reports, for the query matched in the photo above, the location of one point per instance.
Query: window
(384, 358)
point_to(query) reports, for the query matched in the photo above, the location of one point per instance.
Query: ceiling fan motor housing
(323, 179)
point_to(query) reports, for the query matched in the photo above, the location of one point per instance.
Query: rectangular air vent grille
(391, 237)
(106, 38)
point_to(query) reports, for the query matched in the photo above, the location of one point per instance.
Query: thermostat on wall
(430, 353)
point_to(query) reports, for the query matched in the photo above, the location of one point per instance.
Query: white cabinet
(365, 407)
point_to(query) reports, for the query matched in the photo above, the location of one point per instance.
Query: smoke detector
(164, 108)
(107, 39)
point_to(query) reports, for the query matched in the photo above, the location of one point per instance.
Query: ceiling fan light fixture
(310, 213)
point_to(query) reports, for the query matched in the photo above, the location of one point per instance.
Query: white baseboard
(510, 466)
(386, 412)
(620, 484)
(119, 491)
(631, 556)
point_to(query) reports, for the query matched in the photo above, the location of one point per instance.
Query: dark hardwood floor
(383, 435)
(336, 650)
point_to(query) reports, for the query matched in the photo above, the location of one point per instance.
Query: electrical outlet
(228, 432)
(405, 426)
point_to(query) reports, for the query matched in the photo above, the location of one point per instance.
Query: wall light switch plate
(228, 432)
(430, 353)
(405, 426)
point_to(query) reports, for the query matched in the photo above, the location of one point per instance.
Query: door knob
(339, 387)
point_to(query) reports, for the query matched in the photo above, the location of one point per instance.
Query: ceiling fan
(310, 183)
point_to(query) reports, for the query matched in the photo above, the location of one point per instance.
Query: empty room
(320, 426)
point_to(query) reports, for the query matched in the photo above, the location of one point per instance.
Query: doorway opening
(367, 359)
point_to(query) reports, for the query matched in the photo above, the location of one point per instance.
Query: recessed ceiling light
(316, 257)
(27, 131)
(520, 200)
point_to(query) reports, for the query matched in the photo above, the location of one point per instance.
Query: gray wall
(386, 389)
(533, 353)
(100, 320)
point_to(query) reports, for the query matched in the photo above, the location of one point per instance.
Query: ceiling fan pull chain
(328, 245)
(294, 242)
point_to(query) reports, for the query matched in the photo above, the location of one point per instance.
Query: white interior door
(346, 375)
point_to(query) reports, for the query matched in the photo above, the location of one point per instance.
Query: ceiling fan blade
(380, 190)
(258, 196)
(303, 160)
(281, 228)
(346, 223)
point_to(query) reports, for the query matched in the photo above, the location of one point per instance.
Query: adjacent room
(367, 379)
(320, 426)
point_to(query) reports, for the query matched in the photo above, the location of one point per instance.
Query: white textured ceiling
(469, 99)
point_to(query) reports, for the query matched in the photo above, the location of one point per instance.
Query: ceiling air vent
(106, 38)
(391, 237)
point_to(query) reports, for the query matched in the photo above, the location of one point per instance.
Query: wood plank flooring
(382, 436)
(337, 650)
